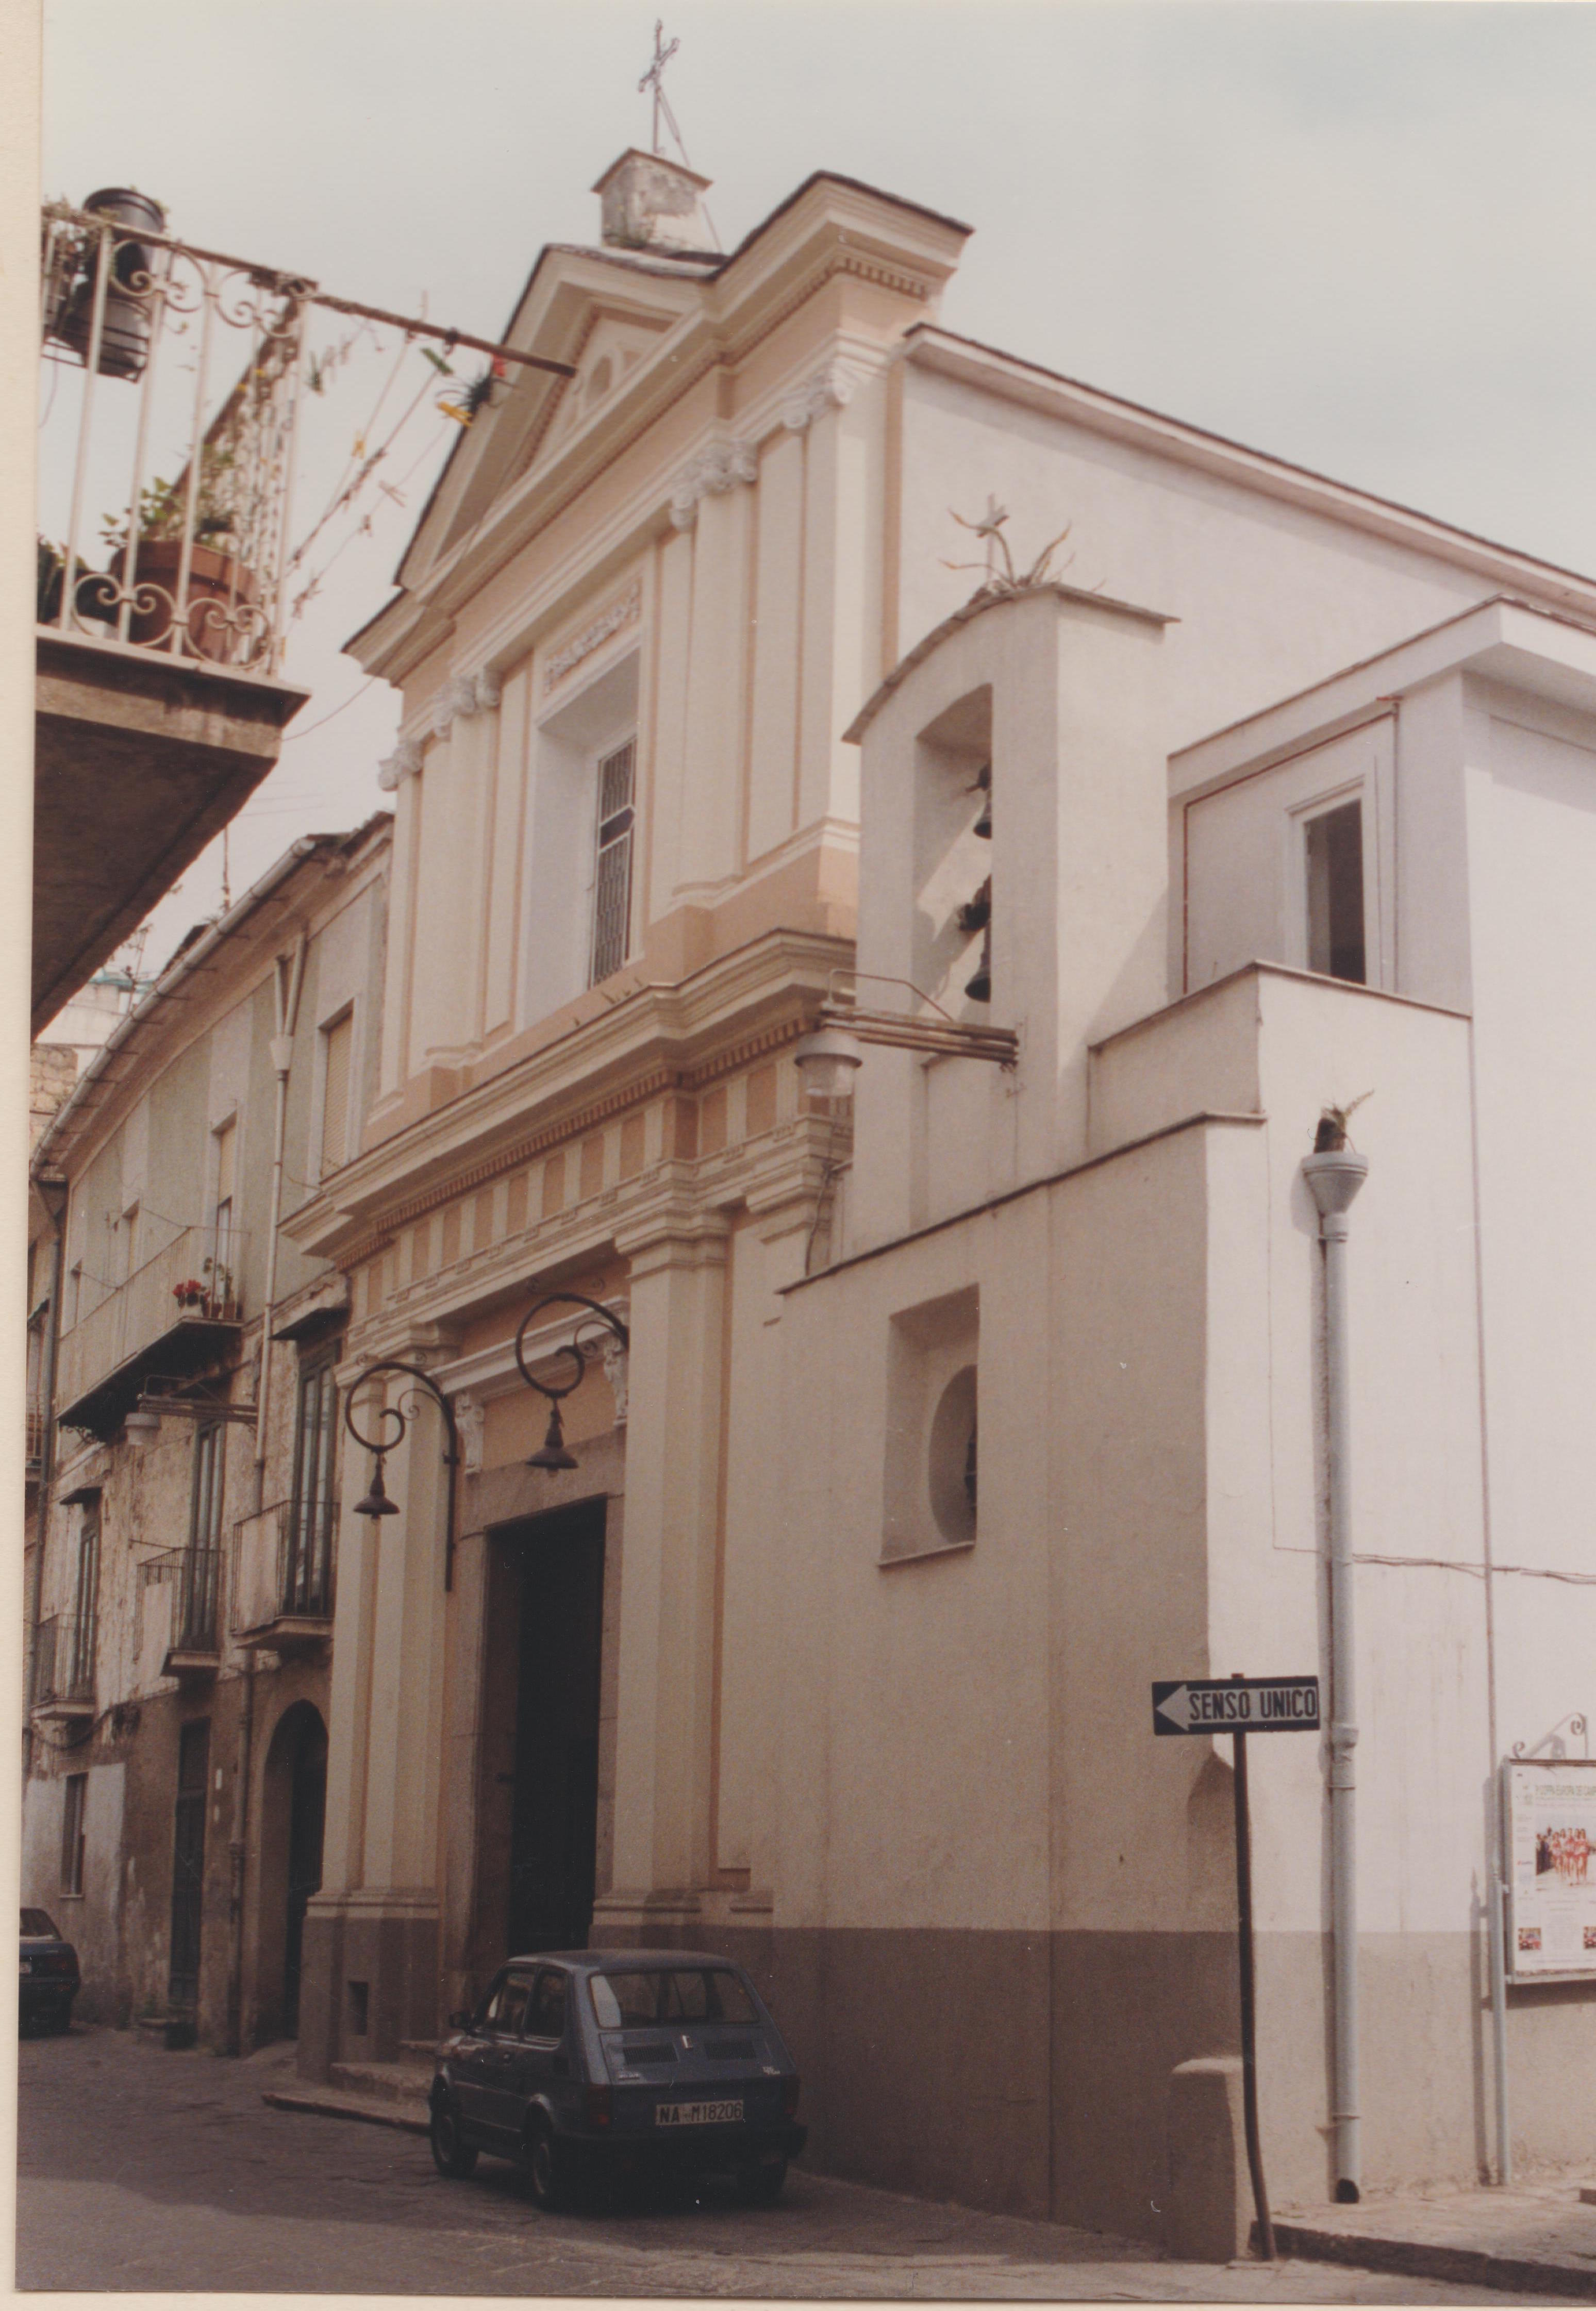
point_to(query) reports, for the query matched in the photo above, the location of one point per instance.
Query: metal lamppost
(377, 1502)
(551, 1453)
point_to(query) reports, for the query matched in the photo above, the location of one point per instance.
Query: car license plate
(698, 2114)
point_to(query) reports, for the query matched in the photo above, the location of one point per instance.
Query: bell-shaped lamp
(827, 1062)
(551, 1453)
(377, 1502)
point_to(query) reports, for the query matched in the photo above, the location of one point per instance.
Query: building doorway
(293, 1814)
(554, 1779)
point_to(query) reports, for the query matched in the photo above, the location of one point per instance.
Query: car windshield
(38, 1925)
(625, 2002)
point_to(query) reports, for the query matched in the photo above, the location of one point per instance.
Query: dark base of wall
(1031, 2074)
(365, 1963)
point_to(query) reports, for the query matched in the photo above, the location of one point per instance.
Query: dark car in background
(50, 1979)
(591, 2068)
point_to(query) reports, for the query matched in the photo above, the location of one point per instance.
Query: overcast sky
(1359, 235)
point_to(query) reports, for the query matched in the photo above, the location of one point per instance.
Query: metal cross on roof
(654, 78)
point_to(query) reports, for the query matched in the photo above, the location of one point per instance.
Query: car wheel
(452, 2155)
(760, 2185)
(546, 2178)
(61, 2022)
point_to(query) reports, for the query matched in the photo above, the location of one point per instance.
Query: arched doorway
(293, 1813)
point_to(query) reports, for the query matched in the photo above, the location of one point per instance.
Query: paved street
(143, 2169)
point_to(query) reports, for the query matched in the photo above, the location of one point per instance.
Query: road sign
(1239, 1705)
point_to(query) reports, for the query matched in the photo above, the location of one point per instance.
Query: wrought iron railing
(199, 1591)
(195, 1275)
(283, 1563)
(64, 1658)
(179, 374)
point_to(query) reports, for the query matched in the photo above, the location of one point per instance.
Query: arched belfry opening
(293, 1811)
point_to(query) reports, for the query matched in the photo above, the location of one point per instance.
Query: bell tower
(1014, 874)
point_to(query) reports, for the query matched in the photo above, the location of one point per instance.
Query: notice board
(1550, 1823)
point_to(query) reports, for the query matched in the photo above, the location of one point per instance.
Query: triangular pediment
(603, 313)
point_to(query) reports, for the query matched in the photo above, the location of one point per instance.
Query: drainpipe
(53, 1194)
(1334, 1178)
(290, 972)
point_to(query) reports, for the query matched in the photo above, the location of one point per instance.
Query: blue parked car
(588, 2066)
(50, 1979)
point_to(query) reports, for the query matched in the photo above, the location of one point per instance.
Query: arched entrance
(292, 1815)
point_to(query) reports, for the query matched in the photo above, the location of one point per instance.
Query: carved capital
(719, 467)
(470, 1419)
(403, 763)
(614, 1358)
(831, 388)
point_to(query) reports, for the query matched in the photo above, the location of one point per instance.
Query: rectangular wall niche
(933, 1352)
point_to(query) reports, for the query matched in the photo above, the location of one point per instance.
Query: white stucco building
(1289, 793)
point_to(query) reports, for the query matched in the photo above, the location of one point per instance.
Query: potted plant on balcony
(219, 1296)
(190, 1293)
(215, 577)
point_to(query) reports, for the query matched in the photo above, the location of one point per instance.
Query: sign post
(1239, 1706)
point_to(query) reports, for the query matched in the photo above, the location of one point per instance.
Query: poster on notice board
(1550, 1822)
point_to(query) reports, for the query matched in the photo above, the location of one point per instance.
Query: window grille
(612, 905)
(202, 1563)
(307, 1568)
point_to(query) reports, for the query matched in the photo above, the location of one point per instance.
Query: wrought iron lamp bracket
(554, 1454)
(400, 1415)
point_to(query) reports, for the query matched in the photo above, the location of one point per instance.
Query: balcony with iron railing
(63, 1665)
(282, 1577)
(197, 1614)
(171, 400)
(36, 1424)
(178, 1313)
(175, 395)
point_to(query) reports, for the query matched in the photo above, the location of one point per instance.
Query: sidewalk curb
(324, 2106)
(1419, 2259)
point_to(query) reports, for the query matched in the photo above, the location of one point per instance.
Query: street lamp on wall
(551, 1453)
(377, 1502)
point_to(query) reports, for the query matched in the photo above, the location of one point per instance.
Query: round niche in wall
(952, 1458)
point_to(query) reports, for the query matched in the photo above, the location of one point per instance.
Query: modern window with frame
(223, 1234)
(612, 882)
(337, 1046)
(313, 1510)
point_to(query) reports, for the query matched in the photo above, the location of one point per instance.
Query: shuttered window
(339, 1040)
(612, 904)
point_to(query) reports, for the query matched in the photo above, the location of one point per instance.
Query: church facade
(1240, 815)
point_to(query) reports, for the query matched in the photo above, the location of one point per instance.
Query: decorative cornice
(624, 611)
(719, 467)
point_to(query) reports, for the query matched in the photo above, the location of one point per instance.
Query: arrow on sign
(1176, 1706)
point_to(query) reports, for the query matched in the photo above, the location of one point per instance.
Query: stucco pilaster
(666, 1653)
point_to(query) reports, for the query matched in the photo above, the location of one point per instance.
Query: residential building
(781, 1664)
(180, 1581)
